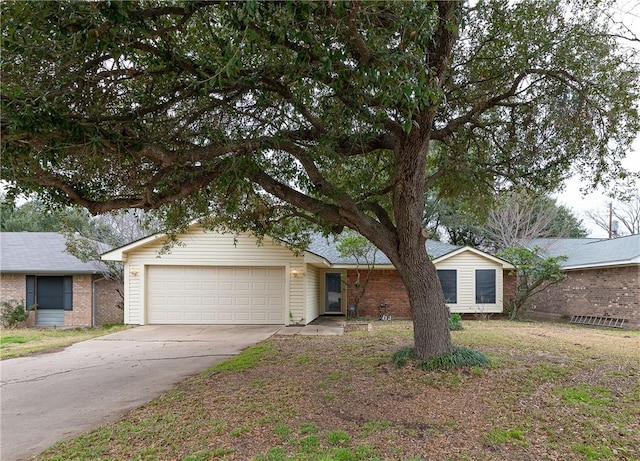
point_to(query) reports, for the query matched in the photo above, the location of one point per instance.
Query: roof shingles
(40, 253)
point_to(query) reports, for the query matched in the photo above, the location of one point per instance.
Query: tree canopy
(276, 116)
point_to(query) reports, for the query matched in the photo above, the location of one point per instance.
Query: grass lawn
(551, 392)
(24, 341)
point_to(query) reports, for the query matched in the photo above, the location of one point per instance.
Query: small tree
(12, 313)
(519, 215)
(364, 252)
(535, 274)
(110, 230)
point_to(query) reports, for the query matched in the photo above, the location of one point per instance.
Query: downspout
(93, 301)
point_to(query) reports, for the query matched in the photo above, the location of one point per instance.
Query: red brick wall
(80, 315)
(13, 287)
(384, 286)
(108, 302)
(606, 292)
(509, 285)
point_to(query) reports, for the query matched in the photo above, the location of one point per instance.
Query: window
(50, 292)
(485, 286)
(449, 282)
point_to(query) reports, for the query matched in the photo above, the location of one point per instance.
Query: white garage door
(215, 295)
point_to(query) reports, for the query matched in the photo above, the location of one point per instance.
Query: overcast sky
(572, 197)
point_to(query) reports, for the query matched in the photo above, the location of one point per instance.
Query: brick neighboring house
(36, 269)
(603, 280)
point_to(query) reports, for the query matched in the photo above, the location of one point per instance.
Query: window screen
(449, 282)
(485, 286)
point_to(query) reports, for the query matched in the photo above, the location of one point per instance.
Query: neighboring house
(602, 281)
(63, 291)
(217, 278)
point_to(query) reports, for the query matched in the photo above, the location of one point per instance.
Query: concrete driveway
(48, 397)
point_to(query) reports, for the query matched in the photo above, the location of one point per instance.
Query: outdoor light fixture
(133, 271)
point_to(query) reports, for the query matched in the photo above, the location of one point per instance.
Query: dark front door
(333, 293)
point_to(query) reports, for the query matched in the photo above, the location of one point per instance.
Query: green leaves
(155, 104)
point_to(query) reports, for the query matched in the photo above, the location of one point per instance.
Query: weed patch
(459, 357)
(247, 359)
(585, 394)
(501, 436)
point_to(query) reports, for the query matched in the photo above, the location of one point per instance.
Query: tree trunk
(428, 310)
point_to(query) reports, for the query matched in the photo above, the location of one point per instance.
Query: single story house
(223, 278)
(61, 290)
(602, 281)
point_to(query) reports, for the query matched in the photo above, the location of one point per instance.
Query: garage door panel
(211, 295)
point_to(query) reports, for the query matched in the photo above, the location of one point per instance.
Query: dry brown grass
(553, 392)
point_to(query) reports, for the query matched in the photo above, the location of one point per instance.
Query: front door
(333, 293)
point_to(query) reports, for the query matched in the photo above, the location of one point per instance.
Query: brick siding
(384, 286)
(604, 292)
(109, 302)
(80, 315)
(13, 287)
(509, 285)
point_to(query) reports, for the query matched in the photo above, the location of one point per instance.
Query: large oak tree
(278, 116)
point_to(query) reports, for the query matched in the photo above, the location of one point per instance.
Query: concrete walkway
(322, 326)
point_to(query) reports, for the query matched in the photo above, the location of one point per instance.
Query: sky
(572, 197)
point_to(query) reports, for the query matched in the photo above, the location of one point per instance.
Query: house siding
(13, 287)
(208, 248)
(108, 301)
(603, 292)
(384, 286)
(312, 294)
(466, 264)
(80, 314)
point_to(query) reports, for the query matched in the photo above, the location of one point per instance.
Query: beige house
(218, 278)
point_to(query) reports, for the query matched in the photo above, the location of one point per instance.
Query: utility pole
(610, 220)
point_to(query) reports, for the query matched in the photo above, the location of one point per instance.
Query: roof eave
(631, 262)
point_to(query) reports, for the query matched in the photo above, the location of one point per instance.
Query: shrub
(12, 313)
(458, 357)
(455, 322)
(402, 356)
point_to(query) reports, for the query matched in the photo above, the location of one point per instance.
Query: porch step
(597, 321)
(50, 318)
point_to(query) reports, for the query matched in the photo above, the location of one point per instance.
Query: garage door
(215, 295)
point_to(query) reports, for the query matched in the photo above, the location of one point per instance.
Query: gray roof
(327, 248)
(591, 252)
(40, 253)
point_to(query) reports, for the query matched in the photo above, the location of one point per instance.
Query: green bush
(458, 357)
(402, 356)
(455, 322)
(12, 313)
